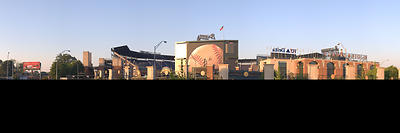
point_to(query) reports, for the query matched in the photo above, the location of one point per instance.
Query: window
(330, 70)
(359, 70)
(228, 48)
(300, 68)
(344, 70)
(283, 68)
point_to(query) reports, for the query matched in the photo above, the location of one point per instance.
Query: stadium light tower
(154, 61)
(57, 62)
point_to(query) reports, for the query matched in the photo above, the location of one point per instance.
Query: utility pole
(12, 70)
(77, 70)
(8, 61)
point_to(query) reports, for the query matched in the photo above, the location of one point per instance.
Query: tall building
(87, 59)
(87, 63)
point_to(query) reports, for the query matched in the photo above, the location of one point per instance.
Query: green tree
(278, 75)
(391, 73)
(291, 76)
(67, 66)
(361, 75)
(372, 74)
(4, 69)
(18, 70)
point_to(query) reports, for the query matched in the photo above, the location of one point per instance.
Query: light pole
(77, 70)
(8, 60)
(154, 64)
(57, 62)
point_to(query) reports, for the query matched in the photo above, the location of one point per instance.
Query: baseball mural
(206, 55)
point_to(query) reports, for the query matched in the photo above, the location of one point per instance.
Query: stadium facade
(331, 63)
(127, 64)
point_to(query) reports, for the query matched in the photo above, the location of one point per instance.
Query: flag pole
(223, 34)
(221, 30)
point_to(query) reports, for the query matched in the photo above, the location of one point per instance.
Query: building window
(228, 48)
(283, 68)
(300, 67)
(360, 71)
(344, 71)
(330, 70)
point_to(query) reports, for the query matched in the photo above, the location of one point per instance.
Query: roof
(125, 51)
(207, 41)
(247, 60)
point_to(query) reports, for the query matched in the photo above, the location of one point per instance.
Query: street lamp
(8, 60)
(57, 62)
(154, 64)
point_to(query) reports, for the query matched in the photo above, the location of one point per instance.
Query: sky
(37, 30)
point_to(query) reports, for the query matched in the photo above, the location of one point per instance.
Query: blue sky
(36, 30)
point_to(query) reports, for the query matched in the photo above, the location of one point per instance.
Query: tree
(278, 75)
(18, 70)
(4, 69)
(372, 74)
(391, 73)
(361, 74)
(291, 76)
(67, 66)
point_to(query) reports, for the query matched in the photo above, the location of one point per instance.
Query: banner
(284, 51)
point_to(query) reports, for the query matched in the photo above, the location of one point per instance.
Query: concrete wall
(380, 75)
(181, 67)
(313, 73)
(292, 67)
(110, 74)
(268, 71)
(102, 62)
(127, 72)
(150, 72)
(224, 71)
(350, 73)
(116, 62)
(210, 72)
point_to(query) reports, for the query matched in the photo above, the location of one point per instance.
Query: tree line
(67, 66)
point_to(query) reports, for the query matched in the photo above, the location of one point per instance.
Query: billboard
(31, 65)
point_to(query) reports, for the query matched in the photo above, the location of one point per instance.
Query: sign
(165, 70)
(203, 73)
(246, 74)
(336, 52)
(284, 51)
(32, 65)
(358, 57)
(205, 37)
(349, 56)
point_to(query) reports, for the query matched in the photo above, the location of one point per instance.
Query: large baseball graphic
(206, 55)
